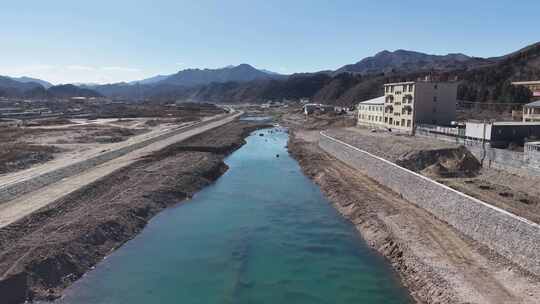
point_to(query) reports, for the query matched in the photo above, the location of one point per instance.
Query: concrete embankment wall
(511, 161)
(10, 192)
(509, 235)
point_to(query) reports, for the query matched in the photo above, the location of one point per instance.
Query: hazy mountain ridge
(403, 60)
(13, 88)
(25, 79)
(241, 73)
(150, 80)
(481, 80)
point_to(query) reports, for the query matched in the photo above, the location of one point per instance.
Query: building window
(386, 120)
(408, 122)
(397, 122)
(410, 88)
(403, 122)
(392, 89)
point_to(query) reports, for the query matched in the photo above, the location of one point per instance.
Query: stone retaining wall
(502, 159)
(511, 161)
(509, 235)
(15, 190)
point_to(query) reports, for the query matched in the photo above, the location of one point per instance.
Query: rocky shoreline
(44, 253)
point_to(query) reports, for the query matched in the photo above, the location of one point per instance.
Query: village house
(531, 111)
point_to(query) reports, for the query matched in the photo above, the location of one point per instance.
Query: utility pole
(483, 143)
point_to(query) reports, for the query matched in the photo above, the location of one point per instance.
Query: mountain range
(403, 61)
(25, 79)
(482, 79)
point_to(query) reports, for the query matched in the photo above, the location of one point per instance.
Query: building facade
(501, 134)
(419, 102)
(531, 111)
(533, 86)
(371, 113)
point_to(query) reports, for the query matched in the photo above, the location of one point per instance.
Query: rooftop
(526, 82)
(374, 101)
(507, 123)
(426, 79)
(535, 104)
(399, 83)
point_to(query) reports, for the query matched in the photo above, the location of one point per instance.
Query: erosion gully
(263, 233)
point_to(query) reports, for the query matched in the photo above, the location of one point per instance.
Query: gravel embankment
(386, 145)
(436, 263)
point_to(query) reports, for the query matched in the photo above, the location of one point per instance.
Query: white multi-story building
(370, 112)
(419, 102)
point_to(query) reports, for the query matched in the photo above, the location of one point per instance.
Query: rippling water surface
(263, 233)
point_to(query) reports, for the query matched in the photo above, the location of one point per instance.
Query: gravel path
(384, 144)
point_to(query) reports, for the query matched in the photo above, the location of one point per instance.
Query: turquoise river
(263, 233)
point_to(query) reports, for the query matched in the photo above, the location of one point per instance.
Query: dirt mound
(327, 121)
(448, 162)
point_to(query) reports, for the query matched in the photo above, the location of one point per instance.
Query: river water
(263, 233)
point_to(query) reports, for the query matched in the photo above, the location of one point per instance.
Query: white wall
(476, 130)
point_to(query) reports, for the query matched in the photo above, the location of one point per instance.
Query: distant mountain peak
(405, 60)
(239, 73)
(25, 79)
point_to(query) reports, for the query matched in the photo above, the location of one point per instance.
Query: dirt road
(25, 204)
(79, 155)
(437, 263)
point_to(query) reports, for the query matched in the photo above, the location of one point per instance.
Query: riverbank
(262, 233)
(436, 263)
(45, 252)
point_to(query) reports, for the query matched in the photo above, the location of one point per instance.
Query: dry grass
(19, 156)
(108, 135)
(49, 122)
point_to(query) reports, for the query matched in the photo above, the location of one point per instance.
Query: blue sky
(115, 40)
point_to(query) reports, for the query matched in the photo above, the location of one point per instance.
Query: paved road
(25, 204)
